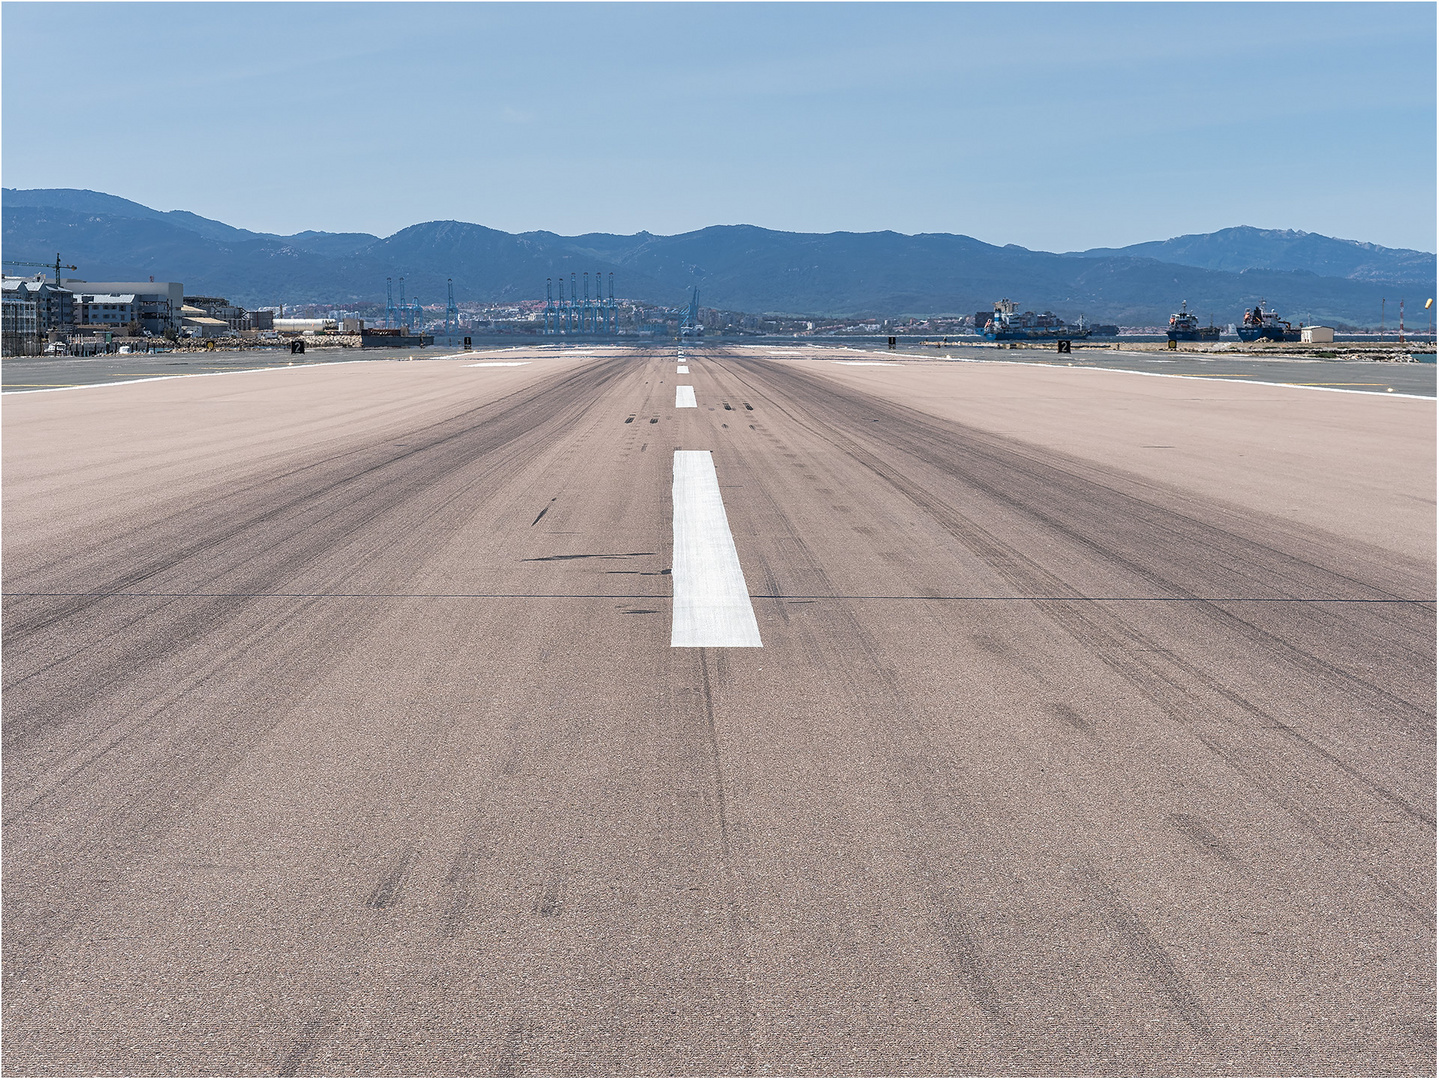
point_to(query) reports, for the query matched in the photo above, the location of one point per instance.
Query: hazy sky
(1051, 126)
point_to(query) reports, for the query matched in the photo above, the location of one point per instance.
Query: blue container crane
(452, 311)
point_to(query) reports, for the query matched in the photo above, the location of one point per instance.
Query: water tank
(295, 326)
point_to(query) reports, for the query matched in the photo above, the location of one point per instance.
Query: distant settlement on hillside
(46, 314)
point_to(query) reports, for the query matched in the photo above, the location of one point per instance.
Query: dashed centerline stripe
(683, 369)
(712, 607)
(685, 397)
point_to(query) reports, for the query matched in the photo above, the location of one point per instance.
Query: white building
(111, 310)
(159, 301)
(53, 305)
(1317, 334)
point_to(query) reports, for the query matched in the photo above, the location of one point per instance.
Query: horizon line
(705, 228)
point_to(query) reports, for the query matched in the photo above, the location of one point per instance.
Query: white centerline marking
(685, 397)
(711, 603)
(683, 369)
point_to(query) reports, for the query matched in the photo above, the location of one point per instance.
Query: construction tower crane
(57, 266)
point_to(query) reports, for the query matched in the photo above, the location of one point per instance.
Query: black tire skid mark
(219, 740)
(1028, 577)
(1113, 641)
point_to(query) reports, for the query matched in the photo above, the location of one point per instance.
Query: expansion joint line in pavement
(351, 596)
(131, 594)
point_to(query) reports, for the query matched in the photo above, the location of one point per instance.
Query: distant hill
(737, 267)
(97, 203)
(1246, 248)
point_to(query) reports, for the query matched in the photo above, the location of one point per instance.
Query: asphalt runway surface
(1091, 730)
(63, 372)
(22, 373)
(1357, 376)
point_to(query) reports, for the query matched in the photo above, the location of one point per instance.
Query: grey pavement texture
(31, 373)
(1093, 730)
(1354, 376)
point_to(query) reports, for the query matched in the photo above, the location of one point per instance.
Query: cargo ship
(1184, 326)
(1261, 325)
(1007, 324)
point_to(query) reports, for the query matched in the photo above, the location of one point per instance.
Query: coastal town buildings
(20, 325)
(54, 305)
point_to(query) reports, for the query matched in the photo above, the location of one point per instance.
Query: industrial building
(158, 302)
(194, 322)
(217, 307)
(113, 311)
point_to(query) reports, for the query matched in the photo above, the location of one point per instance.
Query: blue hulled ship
(1261, 325)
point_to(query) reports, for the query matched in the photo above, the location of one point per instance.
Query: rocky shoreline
(1377, 352)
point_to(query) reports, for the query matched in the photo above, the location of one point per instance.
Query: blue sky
(1056, 127)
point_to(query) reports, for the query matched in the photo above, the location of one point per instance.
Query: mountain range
(1305, 276)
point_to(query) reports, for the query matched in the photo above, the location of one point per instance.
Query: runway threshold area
(351, 724)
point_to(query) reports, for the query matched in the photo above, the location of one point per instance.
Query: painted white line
(711, 608)
(685, 397)
(194, 375)
(683, 369)
(500, 363)
(1234, 382)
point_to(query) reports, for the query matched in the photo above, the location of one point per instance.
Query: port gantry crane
(452, 311)
(56, 265)
(582, 314)
(690, 316)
